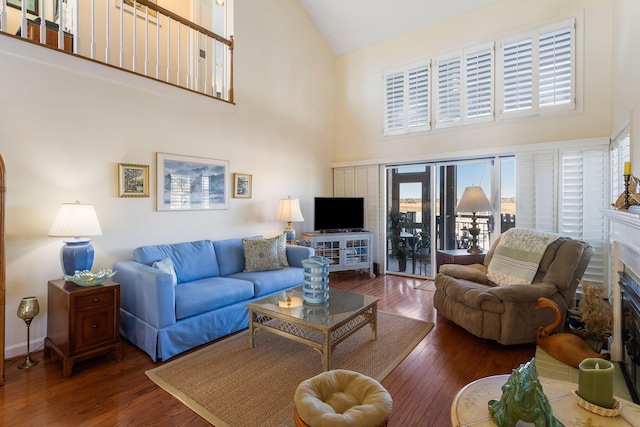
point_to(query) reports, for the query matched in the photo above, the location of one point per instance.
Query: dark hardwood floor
(107, 392)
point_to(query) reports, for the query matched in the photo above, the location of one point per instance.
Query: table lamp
(78, 221)
(27, 310)
(474, 200)
(289, 211)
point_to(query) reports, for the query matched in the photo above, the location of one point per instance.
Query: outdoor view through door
(421, 204)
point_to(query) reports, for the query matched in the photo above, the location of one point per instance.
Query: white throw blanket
(516, 259)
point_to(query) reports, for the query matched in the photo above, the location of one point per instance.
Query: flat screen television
(335, 214)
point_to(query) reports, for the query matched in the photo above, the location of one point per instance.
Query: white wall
(626, 74)
(359, 119)
(63, 132)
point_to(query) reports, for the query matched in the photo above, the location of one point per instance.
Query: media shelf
(348, 251)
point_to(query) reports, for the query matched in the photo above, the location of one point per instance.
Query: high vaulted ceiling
(349, 25)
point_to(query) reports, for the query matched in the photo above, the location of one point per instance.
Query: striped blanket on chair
(517, 256)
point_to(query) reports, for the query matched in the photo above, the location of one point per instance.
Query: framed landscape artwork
(241, 186)
(191, 183)
(133, 180)
(32, 5)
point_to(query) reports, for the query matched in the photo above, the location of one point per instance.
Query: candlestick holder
(627, 178)
(27, 310)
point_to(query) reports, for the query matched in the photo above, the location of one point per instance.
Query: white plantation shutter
(583, 196)
(479, 83)
(449, 91)
(556, 67)
(394, 102)
(536, 185)
(619, 153)
(518, 75)
(406, 97)
(418, 114)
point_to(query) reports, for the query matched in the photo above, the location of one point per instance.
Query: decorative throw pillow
(261, 254)
(282, 250)
(166, 265)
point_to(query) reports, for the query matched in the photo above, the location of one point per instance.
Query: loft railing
(133, 35)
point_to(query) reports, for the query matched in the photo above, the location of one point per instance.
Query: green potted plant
(423, 242)
(402, 253)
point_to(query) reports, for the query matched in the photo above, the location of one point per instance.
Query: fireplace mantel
(624, 235)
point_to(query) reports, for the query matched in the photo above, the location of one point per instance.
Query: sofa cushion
(191, 260)
(266, 282)
(262, 254)
(166, 265)
(230, 253)
(204, 295)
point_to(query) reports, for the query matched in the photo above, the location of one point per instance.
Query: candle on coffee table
(595, 382)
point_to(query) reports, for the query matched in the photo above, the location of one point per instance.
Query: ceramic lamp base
(76, 255)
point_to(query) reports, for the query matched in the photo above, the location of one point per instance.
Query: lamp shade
(75, 220)
(474, 200)
(289, 210)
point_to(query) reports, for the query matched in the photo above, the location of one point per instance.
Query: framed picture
(133, 180)
(32, 5)
(192, 183)
(241, 186)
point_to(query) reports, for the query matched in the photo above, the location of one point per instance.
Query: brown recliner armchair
(506, 314)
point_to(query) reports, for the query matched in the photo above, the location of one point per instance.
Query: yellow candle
(627, 168)
(595, 382)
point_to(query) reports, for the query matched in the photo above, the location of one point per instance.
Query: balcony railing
(133, 35)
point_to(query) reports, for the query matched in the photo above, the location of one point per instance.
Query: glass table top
(341, 305)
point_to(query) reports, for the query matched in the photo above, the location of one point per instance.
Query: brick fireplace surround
(624, 235)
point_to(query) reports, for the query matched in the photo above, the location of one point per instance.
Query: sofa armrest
(146, 292)
(473, 272)
(295, 254)
(524, 293)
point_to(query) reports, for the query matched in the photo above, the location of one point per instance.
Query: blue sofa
(165, 315)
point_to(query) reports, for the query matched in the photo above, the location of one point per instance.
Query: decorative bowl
(86, 278)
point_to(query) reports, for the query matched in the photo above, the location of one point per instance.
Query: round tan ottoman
(341, 398)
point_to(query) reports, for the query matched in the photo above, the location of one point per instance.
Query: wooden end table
(457, 256)
(82, 322)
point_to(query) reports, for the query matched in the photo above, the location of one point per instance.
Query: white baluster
(146, 41)
(93, 29)
(43, 24)
(121, 33)
(107, 47)
(179, 51)
(168, 49)
(158, 45)
(135, 35)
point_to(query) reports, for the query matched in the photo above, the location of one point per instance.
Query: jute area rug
(230, 384)
(427, 285)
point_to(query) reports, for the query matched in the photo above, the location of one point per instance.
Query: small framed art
(241, 186)
(133, 180)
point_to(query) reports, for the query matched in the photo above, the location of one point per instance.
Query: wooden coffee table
(321, 326)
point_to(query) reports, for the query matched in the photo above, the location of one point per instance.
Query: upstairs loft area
(136, 36)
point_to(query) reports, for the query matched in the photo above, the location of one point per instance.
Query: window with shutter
(418, 97)
(394, 103)
(584, 195)
(556, 67)
(406, 97)
(538, 71)
(479, 83)
(517, 75)
(449, 88)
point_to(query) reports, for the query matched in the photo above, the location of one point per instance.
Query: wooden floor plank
(107, 392)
